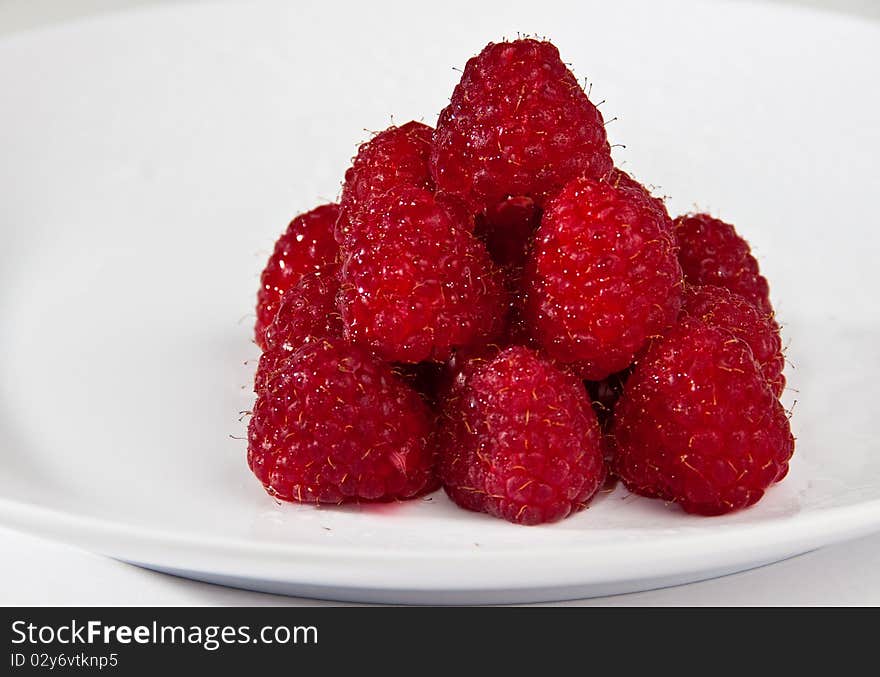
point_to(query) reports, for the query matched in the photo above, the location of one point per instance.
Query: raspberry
(396, 157)
(305, 246)
(519, 440)
(518, 123)
(721, 307)
(333, 424)
(418, 284)
(620, 179)
(306, 312)
(602, 277)
(699, 425)
(270, 362)
(711, 252)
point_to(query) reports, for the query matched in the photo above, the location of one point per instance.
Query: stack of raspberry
(494, 308)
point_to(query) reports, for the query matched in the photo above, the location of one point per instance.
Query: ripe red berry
(711, 252)
(518, 123)
(620, 179)
(306, 312)
(418, 284)
(519, 440)
(721, 307)
(333, 424)
(396, 157)
(602, 277)
(307, 245)
(698, 423)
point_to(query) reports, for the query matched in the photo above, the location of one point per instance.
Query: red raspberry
(602, 277)
(396, 157)
(305, 246)
(711, 252)
(620, 179)
(699, 425)
(333, 424)
(418, 284)
(306, 312)
(519, 440)
(721, 307)
(518, 123)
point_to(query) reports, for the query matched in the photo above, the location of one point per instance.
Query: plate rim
(558, 565)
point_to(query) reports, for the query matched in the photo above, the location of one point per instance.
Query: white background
(36, 572)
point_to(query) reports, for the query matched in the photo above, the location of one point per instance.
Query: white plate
(149, 159)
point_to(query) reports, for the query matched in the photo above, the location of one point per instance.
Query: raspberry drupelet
(307, 245)
(307, 312)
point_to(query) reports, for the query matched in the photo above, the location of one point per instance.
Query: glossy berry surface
(601, 278)
(307, 312)
(698, 424)
(722, 308)
(332, 424)
(419, 284)
(712, 252)
(518, 124)
(519, 440)
(395, 157)
(620, 179)
(306, 246)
